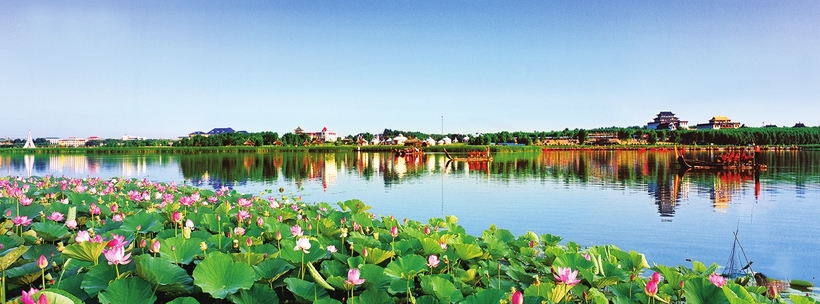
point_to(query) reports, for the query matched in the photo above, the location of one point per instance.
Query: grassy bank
(457, 148)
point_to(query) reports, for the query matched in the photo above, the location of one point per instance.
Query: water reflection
(652, 172)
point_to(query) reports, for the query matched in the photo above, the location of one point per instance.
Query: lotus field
(67, 240)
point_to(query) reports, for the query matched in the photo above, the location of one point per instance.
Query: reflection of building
(667, 121)
(719, 122)
(71, 163)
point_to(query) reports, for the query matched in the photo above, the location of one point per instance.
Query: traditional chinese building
(667, 121)
(719, 122)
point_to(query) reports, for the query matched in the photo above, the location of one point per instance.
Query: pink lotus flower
(21, 221)
(303, 244)
(25, 201)
(189, 224)
(433, 261)
(242, 215)
(56, 216)
(246, 203)
(71, 224)
(296, 230)
(586, 256)
(114, 208)
(117, 255)
(117, 217)
(353, 278)
(717, 279)
(238, 231)
(94, 210)
(116, 241)
(517, 298)
(26, 297)
(331, 248)
(260, 222)
(176, 217)
(82, 236)
(566, 276)
(394, 231)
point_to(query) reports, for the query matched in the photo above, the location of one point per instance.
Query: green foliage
(209, 264)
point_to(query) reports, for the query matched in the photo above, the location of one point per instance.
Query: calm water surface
(634, 199)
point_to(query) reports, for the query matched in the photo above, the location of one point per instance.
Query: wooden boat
(483, 156)
(408, 152)
(730, 164)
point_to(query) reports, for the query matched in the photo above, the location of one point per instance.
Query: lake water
(636, 200)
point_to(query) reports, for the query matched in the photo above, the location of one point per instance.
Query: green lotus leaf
(56, 296)
(147, 222)
(378, 255)
(184, 250)
(700, 291)
(736, 294)
(131, 290)
(249, 258)
(431, 246)
(315, 253)
(11, 257)
(9, 243)
(32, 211)
(50, 231)
(399, 286)
(273, 268)
(333, 268)
(85, 251)
(363, 219)
(486, 296)
(258, 294)
(304, 290)
(354, 205)
(800, 299)
(24, 269)
(219, 275)
(327, 301)
(71, 284)
(441, 288)
(184, 300)
(375, 296)
(406, 267)
(163, 274)
(98, 278)
(467, 251)
(374, 277)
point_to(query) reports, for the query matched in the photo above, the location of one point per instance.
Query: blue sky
(162, 69)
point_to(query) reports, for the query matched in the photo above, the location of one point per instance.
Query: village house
(325, 135)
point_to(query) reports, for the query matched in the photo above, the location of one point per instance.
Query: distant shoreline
(380, 148)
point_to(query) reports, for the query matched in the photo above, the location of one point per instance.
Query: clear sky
(162, 69)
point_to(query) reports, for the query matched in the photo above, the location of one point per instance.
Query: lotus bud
(114, 208)
(42, 263)
(235, 243)
(364, 252)
(143, 243)
(189, 224)
(155, 246)
(248, 242)
(278, 235)
(260, 222)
